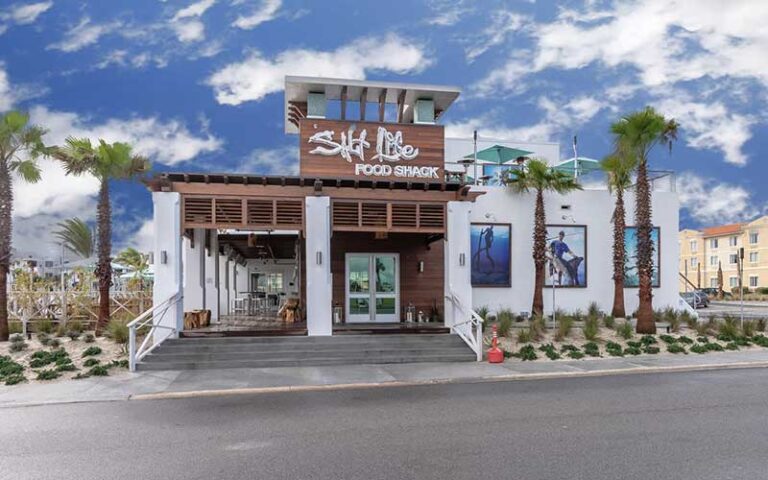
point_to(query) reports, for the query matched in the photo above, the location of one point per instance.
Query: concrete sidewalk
(181, 384)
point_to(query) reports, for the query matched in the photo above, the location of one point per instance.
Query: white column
(168, 261)
(242, 279)
(458, 279)
(193, 282)
(223, 285)
(211, 276)
(317, 231)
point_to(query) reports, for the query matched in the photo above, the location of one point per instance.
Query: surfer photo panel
(566, 252)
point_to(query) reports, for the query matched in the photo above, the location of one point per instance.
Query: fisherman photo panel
(491, 254)
(631, 276)
(566, 256)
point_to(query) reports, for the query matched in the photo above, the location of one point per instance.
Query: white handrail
(136, 354)
(471, 329)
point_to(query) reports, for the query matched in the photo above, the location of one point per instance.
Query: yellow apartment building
(701, 251)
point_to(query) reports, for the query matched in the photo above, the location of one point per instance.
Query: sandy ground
(576, 338)
(110, 351)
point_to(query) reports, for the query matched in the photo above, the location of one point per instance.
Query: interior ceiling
(261, 246)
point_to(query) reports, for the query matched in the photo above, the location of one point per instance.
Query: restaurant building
(388, 227)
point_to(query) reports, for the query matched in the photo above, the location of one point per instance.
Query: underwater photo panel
(491, 254)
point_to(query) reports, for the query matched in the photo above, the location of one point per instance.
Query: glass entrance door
(372, 287)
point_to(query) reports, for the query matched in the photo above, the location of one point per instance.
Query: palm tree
(136, 261)
(21, 144)
(77, 237)
(105, 162)
(636, 135)
(539, 177)
(618, 169)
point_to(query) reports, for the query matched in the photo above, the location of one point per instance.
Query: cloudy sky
(198, 85)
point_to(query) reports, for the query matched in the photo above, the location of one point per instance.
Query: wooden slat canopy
(383, 216)
(256, 213)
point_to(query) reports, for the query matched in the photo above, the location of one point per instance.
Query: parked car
(713, 293)
(696, 299)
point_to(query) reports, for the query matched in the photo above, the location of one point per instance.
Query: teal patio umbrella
(498, 154)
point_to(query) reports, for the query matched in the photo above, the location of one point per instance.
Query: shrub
(699, 348)
(650, 349)
(731, 346)
(8, 367)
(75, 326)
(684, 339)
(688, 319)
(17, 346)
(17, 338)
(742, 341)
(609, 321)
(482, 311)
(648, 340)
(749, 328)
(550, 351)
(48, 375)
(503, 327)
(594, 310)
(73, 335)
(91, 362)
(538, 326)
(89, 338)
(91, 351)
(569, 348)
(61, 330)
(762, 290)
(118, 331)
(634, 344)
(124, 363)
(714, 347)
(575, 354)
(761, 340)
(591, 349)
(524, 335)
(676, 348)
(702, 327)
(564, 326)
(15, 379)
(527, 353)
(614, 349)
(44, 325)
(43, 338)
(67, 367)
(668, 339)
(702, 339)
(591, 328)
(729, 327)
(760, 324)
(624, 330)
(632, 351)
(54, 343)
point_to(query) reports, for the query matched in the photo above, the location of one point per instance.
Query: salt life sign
(343, 149)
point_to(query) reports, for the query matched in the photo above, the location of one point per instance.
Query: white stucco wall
(168, 262)
(592, 208)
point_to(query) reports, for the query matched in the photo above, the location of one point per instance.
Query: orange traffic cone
(495, 355)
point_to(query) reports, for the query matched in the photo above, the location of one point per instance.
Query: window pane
(358, 306)
(358, 275)
(385, 306)
(385, 274)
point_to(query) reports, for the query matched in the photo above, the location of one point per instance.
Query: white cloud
(6, 94)
(711, 126)
(168, 142)
(265, 12)
(144, 238)
(187, 24)
(258, 76)
(503, 23)
(22, 14)
(275, 161)
(82, 35)
(446, 13)
(709, 201)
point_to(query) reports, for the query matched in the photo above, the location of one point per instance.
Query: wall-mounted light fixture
(421, 266)
(163, 257)
(462, 259)
(319, 257)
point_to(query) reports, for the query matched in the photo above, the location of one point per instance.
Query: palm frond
(27, 170)
(76, 236)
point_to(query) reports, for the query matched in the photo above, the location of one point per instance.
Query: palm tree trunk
(619, 224)
(104, 266)
(645, 321)
(539, 254)
(6, 228)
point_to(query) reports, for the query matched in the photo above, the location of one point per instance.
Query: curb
(446, 381)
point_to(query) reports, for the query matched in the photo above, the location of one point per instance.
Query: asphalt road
(751, 309)
(706, 425)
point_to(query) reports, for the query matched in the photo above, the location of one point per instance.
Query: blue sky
(197, 85)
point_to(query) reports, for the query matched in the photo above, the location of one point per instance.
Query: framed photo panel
(566, 256)
(631, 277)
(491, 254)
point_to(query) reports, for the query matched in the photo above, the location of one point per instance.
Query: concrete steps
(266, 352)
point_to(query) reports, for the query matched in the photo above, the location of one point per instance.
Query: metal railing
(150, 317)
(470, 329)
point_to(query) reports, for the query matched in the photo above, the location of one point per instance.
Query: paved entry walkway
(180, 384)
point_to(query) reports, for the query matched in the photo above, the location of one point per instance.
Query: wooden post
(382, 102)
(363, 101)
(343, 98)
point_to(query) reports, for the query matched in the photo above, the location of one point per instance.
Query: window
(274, 282)
(733, 259)
(733, 241)
(694, 246)
(713, 261)
(713, 282)
(753, 237)
(753, 257)
(694, 262)
(734, 282)
(753, 281)
(713, 243)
